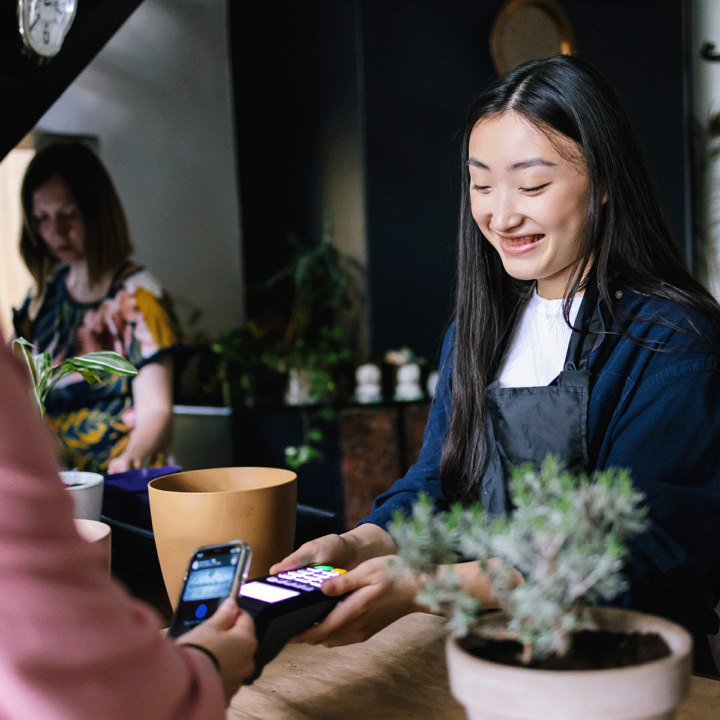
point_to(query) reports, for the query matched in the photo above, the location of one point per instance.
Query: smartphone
(284, 605)
(215, 572)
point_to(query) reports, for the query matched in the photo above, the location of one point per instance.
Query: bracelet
(207, 652)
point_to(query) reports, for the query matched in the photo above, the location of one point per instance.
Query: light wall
(705, 27)
(343, 198)
(158, 98)
(14, 277)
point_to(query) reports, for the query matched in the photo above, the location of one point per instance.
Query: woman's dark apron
(525, 424)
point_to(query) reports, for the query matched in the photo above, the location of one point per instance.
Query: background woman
(560, 225)
(89, 296)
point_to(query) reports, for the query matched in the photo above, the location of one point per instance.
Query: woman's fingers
(125, 462)
(305, 555)
(117, 465)
(226, 614)
(347, 582)
(377, 597)
(345, 624)
(345, 551)
(326, 550)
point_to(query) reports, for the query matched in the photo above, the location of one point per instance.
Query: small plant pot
(86, 489)
(205, 507)
(651, 691)
(300, 386)
(99, 535)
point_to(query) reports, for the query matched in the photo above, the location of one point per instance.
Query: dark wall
(412, 68)
(294, 73)
(424, 62)
(641, 46)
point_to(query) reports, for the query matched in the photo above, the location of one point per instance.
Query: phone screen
(210, 579)
(266, 592)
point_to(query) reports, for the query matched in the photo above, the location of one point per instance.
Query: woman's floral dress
(92, 423)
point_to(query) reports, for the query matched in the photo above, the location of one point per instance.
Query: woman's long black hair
(625, 238)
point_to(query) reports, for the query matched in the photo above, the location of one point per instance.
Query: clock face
(44, 24)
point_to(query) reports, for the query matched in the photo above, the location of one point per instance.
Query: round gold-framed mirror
(529, 30)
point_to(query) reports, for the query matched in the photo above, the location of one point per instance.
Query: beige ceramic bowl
(96, 533)
(206, 507)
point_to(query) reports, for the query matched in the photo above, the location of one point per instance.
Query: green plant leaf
(43, 363)
(89, 374)
(314, 434)
(45, 376)
(103, 361)
(23, 351)
(297, 456)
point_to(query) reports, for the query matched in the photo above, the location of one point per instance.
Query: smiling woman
(529, 198)
(578, 331)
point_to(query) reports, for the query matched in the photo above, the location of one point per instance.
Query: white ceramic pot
(86, 489)
(651, 691)
(298, 387)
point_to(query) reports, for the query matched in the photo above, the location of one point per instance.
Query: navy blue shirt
(654, 409)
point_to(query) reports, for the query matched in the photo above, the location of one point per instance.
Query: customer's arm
(73, 644)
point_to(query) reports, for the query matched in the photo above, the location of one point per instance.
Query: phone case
(244, 557)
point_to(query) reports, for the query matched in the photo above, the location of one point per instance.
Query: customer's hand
(229, 634)
(378, 596)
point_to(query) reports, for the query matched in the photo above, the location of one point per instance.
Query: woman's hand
(122, 464)
(344, 551)
(229, 634)
(134, 458)
(335, 550)
(378, 596)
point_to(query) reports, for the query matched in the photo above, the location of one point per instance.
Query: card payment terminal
(283, 606)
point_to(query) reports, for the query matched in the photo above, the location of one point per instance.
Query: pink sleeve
(73, 644)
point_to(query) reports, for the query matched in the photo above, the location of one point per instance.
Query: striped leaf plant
(45, 375)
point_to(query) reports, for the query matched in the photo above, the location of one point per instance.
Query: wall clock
(43, 25)
(529, 30)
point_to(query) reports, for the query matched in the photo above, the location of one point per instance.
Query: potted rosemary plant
(548, 652)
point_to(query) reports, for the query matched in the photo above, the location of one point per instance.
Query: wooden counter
(398, 673)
